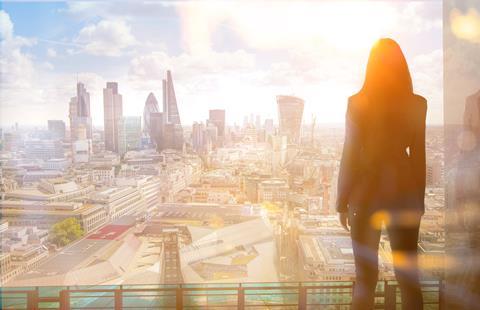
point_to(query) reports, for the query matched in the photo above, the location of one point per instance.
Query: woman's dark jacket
(383, 162)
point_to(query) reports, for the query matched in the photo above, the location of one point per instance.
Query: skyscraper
(83, 98)
(72, 115)
(211, 133)
(290, 112)
(198, 136)
(279, 154)
(81, 146)
(79, 113)
(129, 134)
(112, 113)
(151, 106)
(171, 114)
(217, 117)
(269, 128)
(168, 140)
(167, 132)
(157, 129)
(170, 107)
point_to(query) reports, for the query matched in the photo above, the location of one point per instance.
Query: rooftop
(89, 251)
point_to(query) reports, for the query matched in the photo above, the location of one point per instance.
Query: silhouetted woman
(382, 174)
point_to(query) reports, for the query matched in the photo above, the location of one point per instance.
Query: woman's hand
(343, 218)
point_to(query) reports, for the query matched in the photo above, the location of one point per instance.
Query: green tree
(66, 231)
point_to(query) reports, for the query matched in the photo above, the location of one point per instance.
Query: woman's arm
(348, 164)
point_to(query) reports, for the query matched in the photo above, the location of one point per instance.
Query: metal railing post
(441, 296)
(118, 299)
(64, 300)
(179, 298)
(241, 298)
(302, 297)
(390, 299)
(32, 300)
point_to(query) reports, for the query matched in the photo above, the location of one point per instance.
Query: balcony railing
(279, 295)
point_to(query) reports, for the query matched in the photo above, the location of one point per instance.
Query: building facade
(129, 134)
(57, 129)
(79, 113)
(113, 113)
(290, 113)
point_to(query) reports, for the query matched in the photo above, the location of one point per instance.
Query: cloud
(52, 53)
(18, 73)
(113, 9)
(151, 67)
(427, 76)
(466, 26)
(107, 38)
(16, 66)
(31, 84)
(420, 17)
(6, 26)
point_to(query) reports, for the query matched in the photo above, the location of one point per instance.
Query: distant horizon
(100, 127)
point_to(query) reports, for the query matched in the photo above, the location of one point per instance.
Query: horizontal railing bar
(94, 308)
(16, 292)
(48, 299)
(145, 295)
(266, 306)
(243, 284)
(331, 304)
(147, 306)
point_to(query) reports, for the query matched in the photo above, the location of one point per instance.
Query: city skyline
(99, 43)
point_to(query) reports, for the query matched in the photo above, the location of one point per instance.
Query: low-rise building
(45, 214)
(51, 190)
(81, 151)
(27, 257)
(272, 190)
(44, 149)
(102, 174)
(149, 188)
(7, 270)
(327, 258)
(60, 164)
(120, 201)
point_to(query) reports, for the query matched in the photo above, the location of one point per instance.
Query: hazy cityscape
(149, 199)
(187, 154)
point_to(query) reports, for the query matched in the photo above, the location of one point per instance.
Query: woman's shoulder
(419, 100)
(357, 101)
(419, 103)
(414, 103)
(358, 97)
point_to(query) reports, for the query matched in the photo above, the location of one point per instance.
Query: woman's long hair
(387, 75)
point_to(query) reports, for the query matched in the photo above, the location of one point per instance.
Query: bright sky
(232, 55)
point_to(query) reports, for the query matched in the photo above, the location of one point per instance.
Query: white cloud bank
(106, 38)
